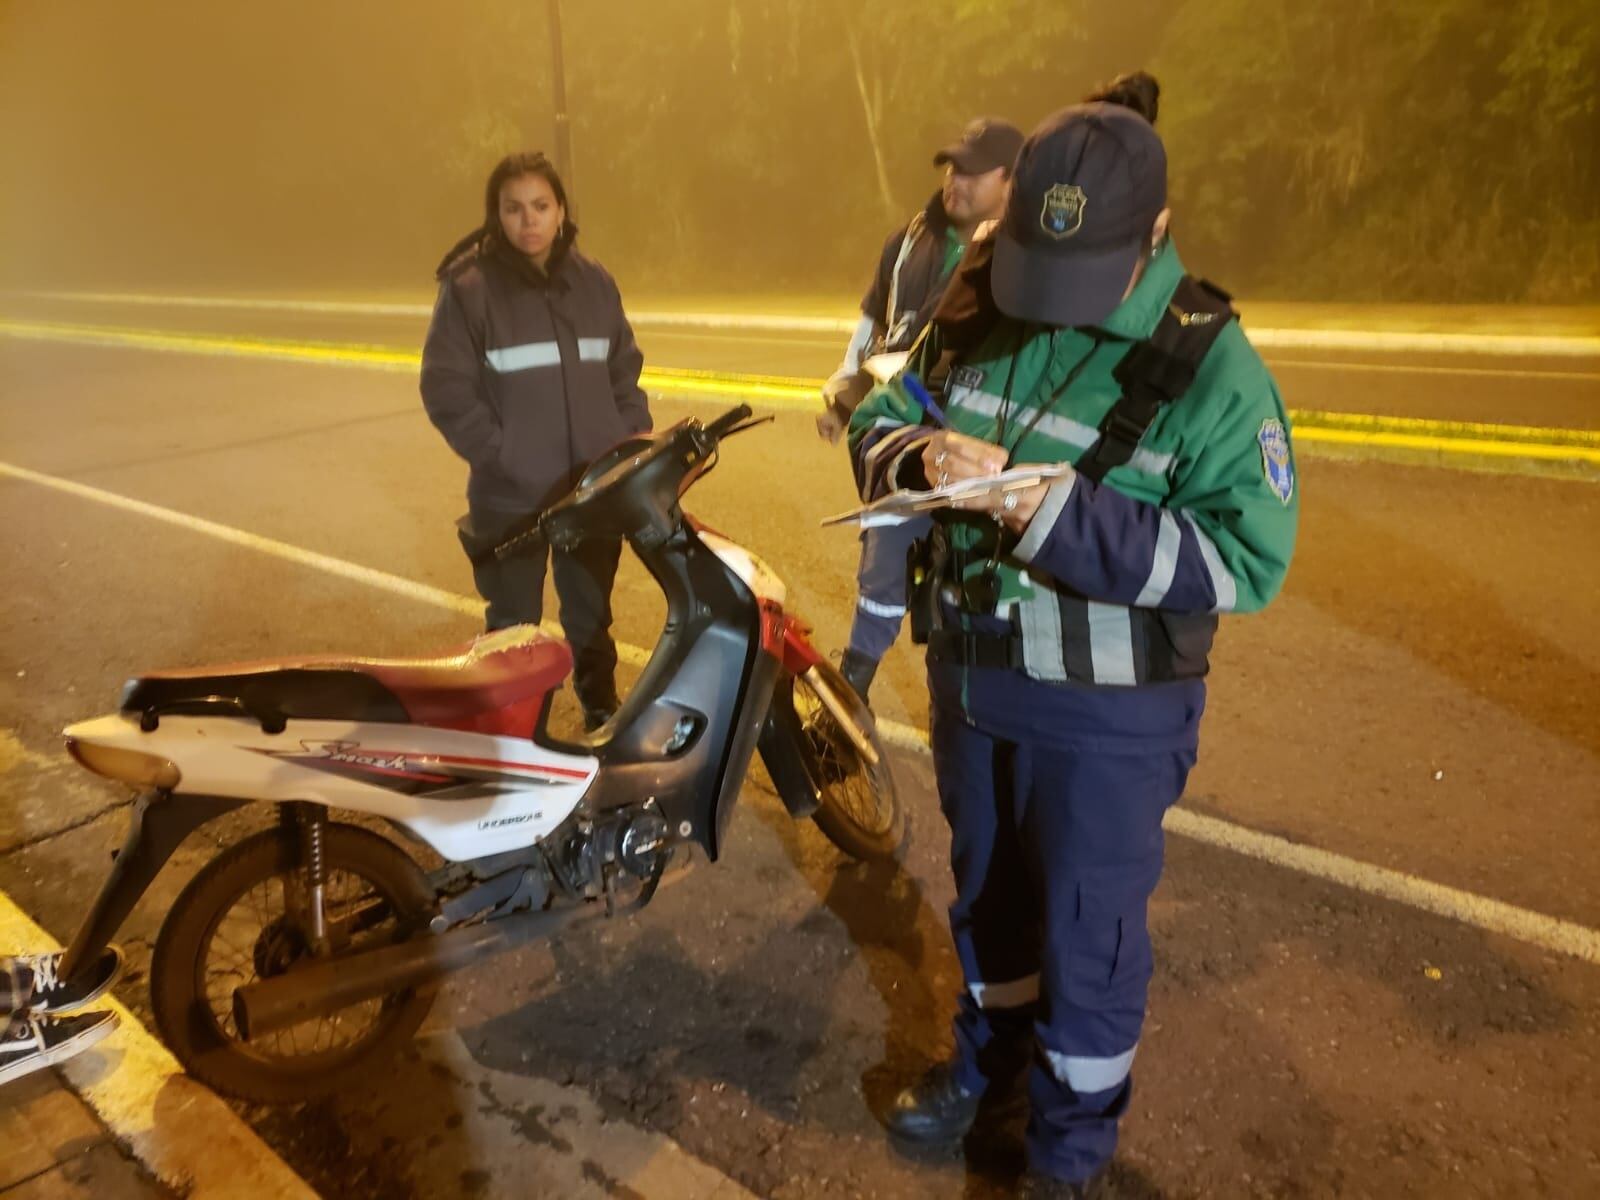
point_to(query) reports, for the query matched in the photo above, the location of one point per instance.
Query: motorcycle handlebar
(729, 419)
(666, 474)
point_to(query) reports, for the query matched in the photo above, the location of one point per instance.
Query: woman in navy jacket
(531, 372)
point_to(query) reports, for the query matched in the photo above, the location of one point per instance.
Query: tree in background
(1365, 149)
(1396, 149)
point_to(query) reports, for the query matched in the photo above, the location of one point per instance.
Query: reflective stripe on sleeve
(1222, 582)
(1044, 519)
(1164, 565)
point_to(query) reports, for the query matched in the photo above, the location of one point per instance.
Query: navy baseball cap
(985, 145)
(1089, 184)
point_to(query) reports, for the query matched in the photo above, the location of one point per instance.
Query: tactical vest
(1056, 630)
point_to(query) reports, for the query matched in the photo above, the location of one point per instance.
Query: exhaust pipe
(321, 988)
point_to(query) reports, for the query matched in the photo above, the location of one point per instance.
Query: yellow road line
(1468, 447)
(188, 1138)
(229, 345)
(1323, 364)
(1377, 422)
(1455, 438)
(1551, 933)
(1577, 343)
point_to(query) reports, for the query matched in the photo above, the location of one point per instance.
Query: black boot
(597, 709)
(858, 671)
(596, 690)
(935, 1110)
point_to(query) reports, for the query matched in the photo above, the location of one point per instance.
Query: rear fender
(161, 820)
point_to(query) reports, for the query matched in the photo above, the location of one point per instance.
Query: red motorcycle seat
(497, 683)
(500, 671)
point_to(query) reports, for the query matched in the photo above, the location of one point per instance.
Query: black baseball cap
(1089, 184)
(985, 144)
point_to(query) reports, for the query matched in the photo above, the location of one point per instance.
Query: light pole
(558, 95)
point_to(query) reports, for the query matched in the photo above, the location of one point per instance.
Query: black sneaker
(52, 994)
(31, 1043)
(935, 1110)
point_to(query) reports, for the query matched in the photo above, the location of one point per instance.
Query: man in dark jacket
(913, 268)
(531, 372)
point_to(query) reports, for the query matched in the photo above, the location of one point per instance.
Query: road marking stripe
(1550, 933)
(524, 1128)
(1471, 440)
(1414, 369)
(467, 606)
(1505, 344)
(1401, 341)
(355, 308)
(1461, 447)
(182, 1132)
(1323, 419)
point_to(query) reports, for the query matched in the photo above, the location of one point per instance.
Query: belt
(999, 650)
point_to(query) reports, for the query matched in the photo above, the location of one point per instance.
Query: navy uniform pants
(1055, 803)
(513, 591)
(881, 586)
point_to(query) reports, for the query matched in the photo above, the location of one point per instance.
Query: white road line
(570, 1138)
(188, 1138)
(1388, 341)
(1550, 933)
(469, 606)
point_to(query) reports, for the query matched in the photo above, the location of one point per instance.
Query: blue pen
(921, 396)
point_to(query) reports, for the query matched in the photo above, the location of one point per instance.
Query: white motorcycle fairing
(467, 795)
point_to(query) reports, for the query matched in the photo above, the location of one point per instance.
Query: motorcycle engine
(644, 841)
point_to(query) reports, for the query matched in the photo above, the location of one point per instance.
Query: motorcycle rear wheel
(233, 925)
(859, 809)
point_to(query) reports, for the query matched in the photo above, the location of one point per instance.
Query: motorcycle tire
(194, 1011)
(859, 809)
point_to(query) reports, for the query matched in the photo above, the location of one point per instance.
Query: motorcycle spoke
(847, 780)
(357, 914)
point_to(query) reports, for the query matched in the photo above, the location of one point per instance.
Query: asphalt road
(1422, 698)
(1555, 391)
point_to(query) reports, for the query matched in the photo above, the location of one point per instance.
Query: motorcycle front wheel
(236, 922)
(858, 809)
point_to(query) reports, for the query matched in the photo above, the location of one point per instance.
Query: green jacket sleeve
(886, 428)
(1221, 539)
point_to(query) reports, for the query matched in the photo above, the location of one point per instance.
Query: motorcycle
(305, 953)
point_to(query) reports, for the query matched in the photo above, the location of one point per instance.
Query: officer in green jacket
(1069, 623)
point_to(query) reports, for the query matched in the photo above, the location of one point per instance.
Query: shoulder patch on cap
(1275, 461)
(1062, 215)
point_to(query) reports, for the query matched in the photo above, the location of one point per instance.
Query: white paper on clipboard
(898, 507)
